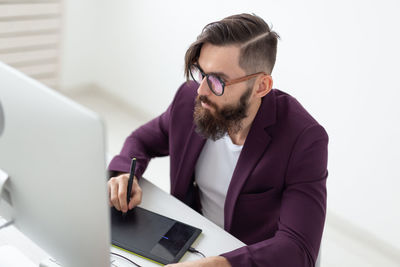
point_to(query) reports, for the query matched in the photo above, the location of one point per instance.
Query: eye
(215, 84)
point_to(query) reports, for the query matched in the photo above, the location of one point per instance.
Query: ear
(264, 85)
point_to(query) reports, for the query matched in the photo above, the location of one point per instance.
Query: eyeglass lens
(213, 81)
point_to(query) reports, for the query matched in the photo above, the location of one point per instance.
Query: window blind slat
(30, 37)
(22, 41)
(30, 33)
(29, 9)
(32, 17)
(41, 61)
(28, 56)
(30, 25)
(28, 48)
(16, 2)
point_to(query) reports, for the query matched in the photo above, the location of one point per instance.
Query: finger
(134, 185)
(114, 195)
(136, 199)
(109, 194)
(122, 194)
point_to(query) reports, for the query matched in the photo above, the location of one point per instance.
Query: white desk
(213, 240)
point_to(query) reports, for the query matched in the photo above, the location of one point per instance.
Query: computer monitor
(53, 152)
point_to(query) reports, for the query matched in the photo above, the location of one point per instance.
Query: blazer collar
(254, 147)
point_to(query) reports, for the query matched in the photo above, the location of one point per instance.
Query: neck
(240, 137)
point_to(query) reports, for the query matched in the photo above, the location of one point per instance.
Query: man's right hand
(117, 187)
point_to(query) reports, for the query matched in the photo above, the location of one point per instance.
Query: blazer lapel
(254, 148)
(187, 163)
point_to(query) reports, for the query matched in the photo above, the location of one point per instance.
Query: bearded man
(248, 157)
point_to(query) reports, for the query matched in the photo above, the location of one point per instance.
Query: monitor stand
(49, 262)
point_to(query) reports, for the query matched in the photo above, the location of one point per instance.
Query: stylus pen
(130, 182)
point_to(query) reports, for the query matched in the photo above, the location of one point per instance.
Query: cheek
(223, 102)
(230, 97)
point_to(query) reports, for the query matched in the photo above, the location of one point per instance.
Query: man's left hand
(217, 261)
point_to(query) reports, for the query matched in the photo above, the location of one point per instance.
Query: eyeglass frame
(223, 83)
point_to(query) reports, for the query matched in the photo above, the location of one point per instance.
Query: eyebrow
(219, 74)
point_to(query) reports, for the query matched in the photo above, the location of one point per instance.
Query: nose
(203, 88)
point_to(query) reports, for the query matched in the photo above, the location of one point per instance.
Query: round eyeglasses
(216, 83)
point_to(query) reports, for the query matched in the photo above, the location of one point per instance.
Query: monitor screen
(52, 151)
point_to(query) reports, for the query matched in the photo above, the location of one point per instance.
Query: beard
(225, 120)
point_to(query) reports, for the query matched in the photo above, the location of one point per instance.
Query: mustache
(204, 99)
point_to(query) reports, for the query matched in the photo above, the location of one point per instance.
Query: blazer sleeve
(149, 141)
(302, 211)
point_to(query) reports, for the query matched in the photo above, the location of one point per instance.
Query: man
(248, 157)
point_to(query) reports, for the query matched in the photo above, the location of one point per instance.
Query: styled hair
(257, 43)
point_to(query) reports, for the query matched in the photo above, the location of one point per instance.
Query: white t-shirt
(213, 174)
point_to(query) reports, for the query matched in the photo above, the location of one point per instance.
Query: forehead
(223, 59)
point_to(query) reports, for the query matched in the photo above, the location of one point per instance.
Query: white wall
(79, 45)
(339, 58)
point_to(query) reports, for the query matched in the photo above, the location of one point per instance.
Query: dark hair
(258, 44)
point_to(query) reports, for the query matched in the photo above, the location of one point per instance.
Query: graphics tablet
(151, 235)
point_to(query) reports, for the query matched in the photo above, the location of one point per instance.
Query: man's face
(214, 115)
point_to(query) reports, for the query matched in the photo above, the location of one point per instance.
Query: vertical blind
(30, 33)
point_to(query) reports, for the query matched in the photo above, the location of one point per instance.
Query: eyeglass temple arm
(245, 78)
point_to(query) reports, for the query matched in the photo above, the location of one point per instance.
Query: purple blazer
(276, 201)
